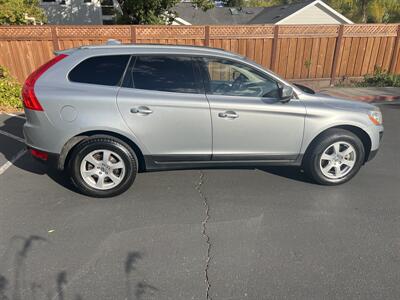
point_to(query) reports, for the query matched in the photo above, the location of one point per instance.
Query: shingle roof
(217, 15)
(274, 14)
(248, 15)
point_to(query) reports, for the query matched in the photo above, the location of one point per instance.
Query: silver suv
(105, 113)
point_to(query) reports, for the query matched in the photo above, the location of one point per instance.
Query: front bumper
(373, 153)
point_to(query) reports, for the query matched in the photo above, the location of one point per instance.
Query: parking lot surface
(220, 233)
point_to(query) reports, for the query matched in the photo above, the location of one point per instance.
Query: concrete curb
(370, 99)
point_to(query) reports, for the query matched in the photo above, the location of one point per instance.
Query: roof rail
(116, 45)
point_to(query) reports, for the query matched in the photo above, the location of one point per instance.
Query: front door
(164, 105)
(248, 120)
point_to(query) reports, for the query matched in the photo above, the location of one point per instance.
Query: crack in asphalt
(204, 232)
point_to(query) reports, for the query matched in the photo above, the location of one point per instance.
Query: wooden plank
(250, 51)
(395, 53)
(330, 52)
(360, 56)
(298, 63)
(321, 57)
(275, 44)
(345, 56)
(267, 52)
(133, 34)
(352, 56)
(381, 53)
(283, 56)
(306, 58)
(242, 47)
(235, 45)
(374, 55)
(314, 58)
(389, 50)
(291, 58)
(258, 51)
(207, 36)
(226, 44)
(367, 56)
(337, 54)
(54, 38)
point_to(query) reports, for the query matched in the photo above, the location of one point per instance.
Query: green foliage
(13, 12)
(380, 78)
(371, 11)
(152, 11)
(10, 91)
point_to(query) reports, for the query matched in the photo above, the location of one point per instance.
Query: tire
(102, 167)
(323, 159)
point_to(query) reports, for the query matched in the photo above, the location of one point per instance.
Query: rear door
(249, 122)
(164, 104)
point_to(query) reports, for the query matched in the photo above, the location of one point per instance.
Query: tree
(153, 11)
(17, 12)
(371, 11)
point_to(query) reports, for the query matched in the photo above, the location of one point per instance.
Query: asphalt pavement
(226, 233)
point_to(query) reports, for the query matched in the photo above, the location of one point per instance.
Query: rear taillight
(39, 154)
(28, 90)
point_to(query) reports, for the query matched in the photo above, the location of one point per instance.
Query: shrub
(10, 91)
(380, 78)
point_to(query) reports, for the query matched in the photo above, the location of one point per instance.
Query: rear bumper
(52, 160)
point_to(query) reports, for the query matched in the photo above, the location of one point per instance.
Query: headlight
(376, 117)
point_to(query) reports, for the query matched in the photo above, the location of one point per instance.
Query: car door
(164, 105)
(248, 120)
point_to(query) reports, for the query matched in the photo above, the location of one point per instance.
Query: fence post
(275, 48)
(207, 36)
(338, 47)
(133, 34)
(396, 51)
(54, 38)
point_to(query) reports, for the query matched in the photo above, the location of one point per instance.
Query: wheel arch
(74, 141)
(359, 132)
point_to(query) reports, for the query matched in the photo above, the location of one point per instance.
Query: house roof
(216, 15)
(190, 14)
(274, 14)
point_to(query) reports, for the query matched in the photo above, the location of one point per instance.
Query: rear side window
(163, 73)
(103, 70)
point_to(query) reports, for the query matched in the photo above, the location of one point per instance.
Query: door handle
(141, 110)
(228, 114)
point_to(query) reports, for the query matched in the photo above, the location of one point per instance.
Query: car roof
(160, 48)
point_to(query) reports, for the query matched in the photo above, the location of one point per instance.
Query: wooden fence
(297, 52)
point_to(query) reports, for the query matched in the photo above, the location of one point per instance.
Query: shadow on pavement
(10, 147)
(294, 173)
(17, 285)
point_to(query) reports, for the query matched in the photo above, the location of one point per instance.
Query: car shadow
(294, 173)
(12, 145)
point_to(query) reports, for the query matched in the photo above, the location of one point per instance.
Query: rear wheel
(102, 167)
(335, 157)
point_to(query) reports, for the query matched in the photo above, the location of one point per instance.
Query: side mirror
(286, 93)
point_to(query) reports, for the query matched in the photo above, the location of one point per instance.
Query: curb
(375, 99)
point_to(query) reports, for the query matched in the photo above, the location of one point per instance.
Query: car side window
(102, 70)
(230, 78)
(163, 73)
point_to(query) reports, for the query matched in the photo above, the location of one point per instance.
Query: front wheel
(335, 157)
(102, 167)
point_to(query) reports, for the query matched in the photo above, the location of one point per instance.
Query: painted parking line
(9, 163)
(16, 116)
(17, 138)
